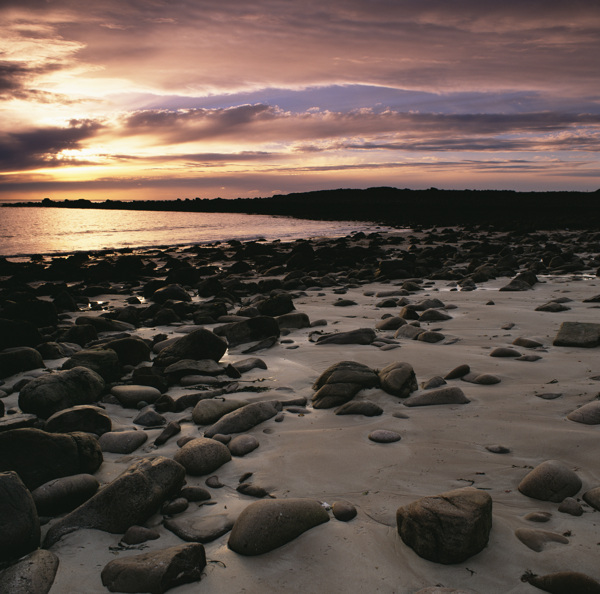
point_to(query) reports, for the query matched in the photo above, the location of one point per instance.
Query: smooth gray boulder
(122, 442)
(578, 334)
(155, 571)
(19, 522)
(270, 523)
(244, 418)
(38, 456)
(64, 494)
(550, 481)
(209, 411)
(129, 396)
(33, 574)
(398, 379)
(445, 395)
(202, 456)
(197, 345)
(127, 501)
(47, 394)
(447, 528)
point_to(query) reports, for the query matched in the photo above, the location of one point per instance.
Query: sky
(165, 99)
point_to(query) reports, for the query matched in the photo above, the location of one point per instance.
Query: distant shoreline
(391, 206)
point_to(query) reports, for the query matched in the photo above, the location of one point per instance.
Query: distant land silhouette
(502, 209)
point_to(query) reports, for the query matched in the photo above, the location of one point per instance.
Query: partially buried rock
(384, 436)
(242, 445)
(209, 411)
(19, 520)
(550, 481)
(155, 571)
(447, 395)
(398, 379)
(592, 498)
(563, 582)
(588, 414)
(250, 330)
(570, 506)
(505, 352)
(270, 523)
(458, 372)
(130, 396)
(578, 334)
(122, 442)
(360, 407)
(537, 540)
(38, 456)
(33, 574)
(203, 529)
(139, 534)
(340, 382)
(130, 350)
(45, 395)
(447, 528)
(202, 456)
(244, 418)
(64, 494)
(358, 336)
(128, 500)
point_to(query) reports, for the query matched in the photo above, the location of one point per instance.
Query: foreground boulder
(578, 334)
(33, 574)
(156, 571)
(45, 395)
(199, 344)
(38, 456)
(270, 523)
(18, 359)
(129, 500)
(340, 382)
(398, 379)
(447, 528)
(19, 522)
(244, 418)
(550, 481)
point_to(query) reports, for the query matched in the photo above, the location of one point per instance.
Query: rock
(19, 522)
(536, 540)
(550, 481)
(588, 414)
(57, 350)
(343, 511)
(435, 382)
(447, 528)
(47, 394)
(391, 323)
(38, 456)
(276, 305)
(180, 369)
(563, 582)
(409, 331)
(358, 336)
(442, 590)
(270, 523)
(174, 292)
(447, 395)
(130, 396)
(398, 379)
(130, 350)
(570, 506)
(122, 442)
(155, 571)
(458, 372)
(250, 330)
(103, 361)
(527, 343)
(244, 418)
(148, 417)
(252, 490)
(64, 494)
(203, 529)
(242, 445)
(592, 498)
(505, 352)
(195, 494)
(250, 363)
(17, 333)
(552, 307)
(384, 436)
(174, 507)
(360, 407)
(173, 428)
(128, 500)
(139, 534)
(434, 315)
(498, 449)
(102, 324)
(209, 411)
(199, 344)
(79, 334)
(17, 359)
(84, 417)
(202, 456)
(482, 379)
(293, 320)
(522, 282)
(578, 334)
(33, 574)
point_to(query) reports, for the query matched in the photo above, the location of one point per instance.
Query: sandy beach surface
(305, 452)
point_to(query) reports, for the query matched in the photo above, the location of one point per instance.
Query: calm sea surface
(25, 231)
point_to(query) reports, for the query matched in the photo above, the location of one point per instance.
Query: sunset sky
(128, 99)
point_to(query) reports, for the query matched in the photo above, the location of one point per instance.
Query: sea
(26, 231)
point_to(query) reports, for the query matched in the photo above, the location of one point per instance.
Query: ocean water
(27, 231)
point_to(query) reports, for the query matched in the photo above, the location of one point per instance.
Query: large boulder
(19, 522)
(18, 359)
(398, 379)
(552, 481)
(250, 330)
(210, 410)
(33, 574)
(128, 500)
(199, 344)
(578, 334)
(447, 528)
(38, 456)
(270, 523)
(202, 456)
(104, 362)
(340, 382)
(156, 571)
(244, 418)
(45, 395)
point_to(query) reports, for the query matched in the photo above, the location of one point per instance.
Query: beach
(490, 426)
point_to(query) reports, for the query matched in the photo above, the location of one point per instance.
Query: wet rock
(19, 520)
(122, 442)
(391, 323)
(84, 417)
(33, 574)
(173, 292)
(180, 369)
(552, 307)
(434, 315)
(128, 500)
(505, 352)
(244, 418)
(270, 523)
(524, 281)
(64, 494)
(497, 449)
(431, 337)
(409, 331)
(18, 333)
(148, 417)
(38, 456)
(250, 363)
(202, 456)
(17, 359)
(447, 528)
(155, 571)
(550, 481)
(527, 343)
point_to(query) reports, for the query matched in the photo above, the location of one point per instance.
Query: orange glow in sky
(152, 99)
